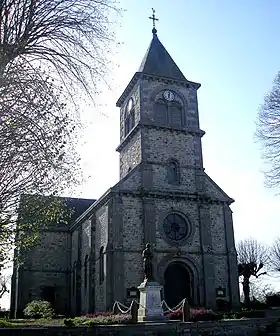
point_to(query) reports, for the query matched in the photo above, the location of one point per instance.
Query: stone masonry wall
(161, 145)
(218, 228)
(187, 208)
(246, 327)
(132, 223)
(33, 282)
(133, 269)
(150, 89)
(133, 241)
(160, 178)
(130, 155)
(74, 263)
(47, 264)
(44, 255)
(101, 237)
(221, 273)
(86, 245)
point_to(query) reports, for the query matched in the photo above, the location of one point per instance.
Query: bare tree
(259, 290)
(3, 279)
(71, 38)
(268, 133)
(3, 285)
(37, 144)
(50, 50)
(275, 255)
(252, 258)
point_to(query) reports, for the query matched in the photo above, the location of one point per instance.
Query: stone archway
(178, 284)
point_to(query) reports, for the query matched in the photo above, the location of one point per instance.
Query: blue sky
(233, 49)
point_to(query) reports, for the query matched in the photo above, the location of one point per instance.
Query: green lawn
(31, 322)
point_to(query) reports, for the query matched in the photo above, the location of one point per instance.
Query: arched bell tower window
(161, 112)
(173, 174)
(175, 114)
(101, 265)
(168, 109)
(129, 120)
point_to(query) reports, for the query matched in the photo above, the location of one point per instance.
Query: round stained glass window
(175, 227)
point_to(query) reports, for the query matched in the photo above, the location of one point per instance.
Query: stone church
(164, 196)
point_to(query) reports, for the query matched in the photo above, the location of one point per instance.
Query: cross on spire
(153, 17)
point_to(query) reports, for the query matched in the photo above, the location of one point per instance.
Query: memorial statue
(148, 263)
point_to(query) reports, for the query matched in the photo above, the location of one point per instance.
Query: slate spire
(157, 60)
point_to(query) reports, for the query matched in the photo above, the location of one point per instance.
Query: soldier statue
(148, 263)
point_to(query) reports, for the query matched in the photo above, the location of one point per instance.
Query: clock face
(168, 95)
(175, 227)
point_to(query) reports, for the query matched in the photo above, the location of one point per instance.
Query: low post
(186, 311)
(134, 311)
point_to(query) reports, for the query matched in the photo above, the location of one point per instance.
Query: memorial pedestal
(150, 308)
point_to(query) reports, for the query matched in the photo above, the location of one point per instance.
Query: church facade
(164, 197)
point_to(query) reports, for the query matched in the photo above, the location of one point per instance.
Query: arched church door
(177, 284)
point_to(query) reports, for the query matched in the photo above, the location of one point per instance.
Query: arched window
(161, 112)
(129, 118)
(74, 278)
(86, 272)
(173, 172)
(176, 114)
(132, 119)
(101, 265)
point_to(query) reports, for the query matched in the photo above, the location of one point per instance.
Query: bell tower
(159, 122)
(168, 200)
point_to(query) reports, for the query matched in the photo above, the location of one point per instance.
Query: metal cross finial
(153, 17)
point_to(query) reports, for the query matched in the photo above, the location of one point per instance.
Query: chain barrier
(175, 309)
(127, 310)
(118, 305)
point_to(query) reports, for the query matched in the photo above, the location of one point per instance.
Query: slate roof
(157, 61)
(78, 206)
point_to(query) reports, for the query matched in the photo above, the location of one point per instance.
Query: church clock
(168, 95)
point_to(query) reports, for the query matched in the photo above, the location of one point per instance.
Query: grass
(31, 322)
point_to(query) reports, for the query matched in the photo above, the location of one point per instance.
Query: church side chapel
(164, 197)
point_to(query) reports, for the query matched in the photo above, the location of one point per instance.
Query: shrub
(273, 300)
(203, 315)
(5, 323)
(68, 322)
(176, 315)
(92, 315)
(38, 309)
(257, 305)
(102, 318)
(222, 305)
(195, 315)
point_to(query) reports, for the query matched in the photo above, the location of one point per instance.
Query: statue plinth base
(150, 308)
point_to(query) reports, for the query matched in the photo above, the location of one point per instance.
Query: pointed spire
(157, 61)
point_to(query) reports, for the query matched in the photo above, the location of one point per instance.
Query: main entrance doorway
(177, 284)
